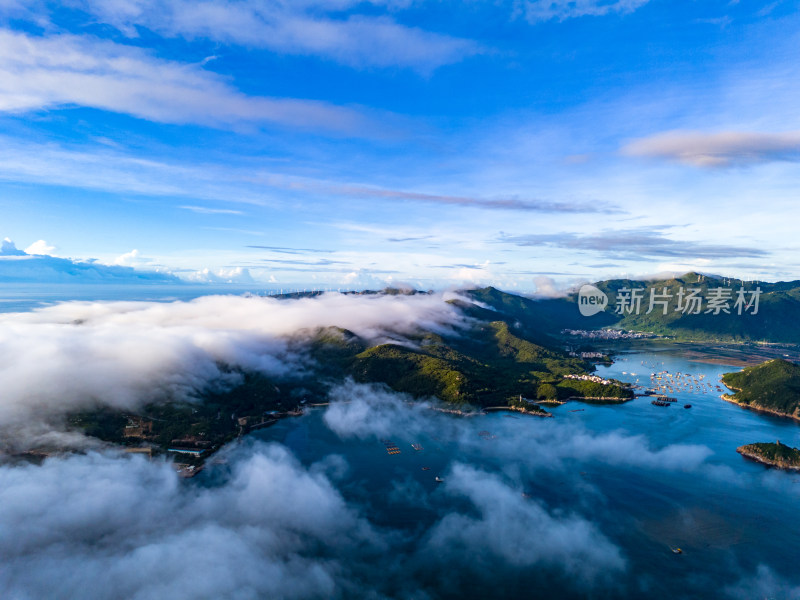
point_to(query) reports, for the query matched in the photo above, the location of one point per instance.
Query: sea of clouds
(83, 355)
(101, 524)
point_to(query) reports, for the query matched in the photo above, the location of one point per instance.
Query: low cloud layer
(80, 355)
(722, 149)
(273, 527)
(266, 525)
(515, 530)
(34, 264)
(273, 530)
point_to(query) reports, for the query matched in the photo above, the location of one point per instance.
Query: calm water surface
(727, 514)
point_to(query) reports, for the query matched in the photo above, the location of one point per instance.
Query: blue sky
(354, 144)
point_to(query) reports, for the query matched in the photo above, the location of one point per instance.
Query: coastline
(519, 410)
(760, 459)
(599, 399)
(767, 411)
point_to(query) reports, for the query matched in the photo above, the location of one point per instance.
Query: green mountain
(773, 386)
(488, 367)
(500, 356)
(777, 318)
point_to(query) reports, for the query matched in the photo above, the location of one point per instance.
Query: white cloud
(122, 354)
(546, 287)
(274, 530)
(204, 210)
(545, 10)
(363, 279)
(372, 411)
(40, 247)
(38, 73)
(37, 264)
(519, 531)
(132, 259)
(305, 28)
(230, 275)
(9, 248)
(721, 149)
(763, 583)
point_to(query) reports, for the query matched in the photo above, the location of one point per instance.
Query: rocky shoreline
(524, 411)
(750, 452)
(767, 411)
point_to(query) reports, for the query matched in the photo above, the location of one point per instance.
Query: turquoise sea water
(646, 478)
(649, 478)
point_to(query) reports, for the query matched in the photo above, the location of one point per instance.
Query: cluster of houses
(608, 334)
(593, 378)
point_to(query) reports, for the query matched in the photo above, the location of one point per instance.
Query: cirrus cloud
(545, 10)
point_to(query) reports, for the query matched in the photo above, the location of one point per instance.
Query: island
(772, 387)
(775, 454)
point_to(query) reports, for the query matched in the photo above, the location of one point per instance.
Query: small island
(772, 387)
(776, 455)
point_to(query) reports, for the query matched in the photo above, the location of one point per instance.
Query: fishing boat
(676, 550)
(687, 406)
(439, 479)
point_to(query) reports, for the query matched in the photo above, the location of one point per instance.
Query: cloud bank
(34, 265)
(81, 355)
(266, 525)
(273, 527)
(273, 530)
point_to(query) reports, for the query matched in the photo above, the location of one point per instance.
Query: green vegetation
(502, 355)
(777, 320)
(773, 386)
(526, 406)
(413, 372)
(576, 388)
(484, 368)
(777, 454)
(547, 392)
(203, 424)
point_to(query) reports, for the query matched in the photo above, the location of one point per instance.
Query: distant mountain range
(773, 314)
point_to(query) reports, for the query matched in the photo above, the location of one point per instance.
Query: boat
(438, 479)
(426, 468)
(660, 403)
(676, 550)
(687, 406)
